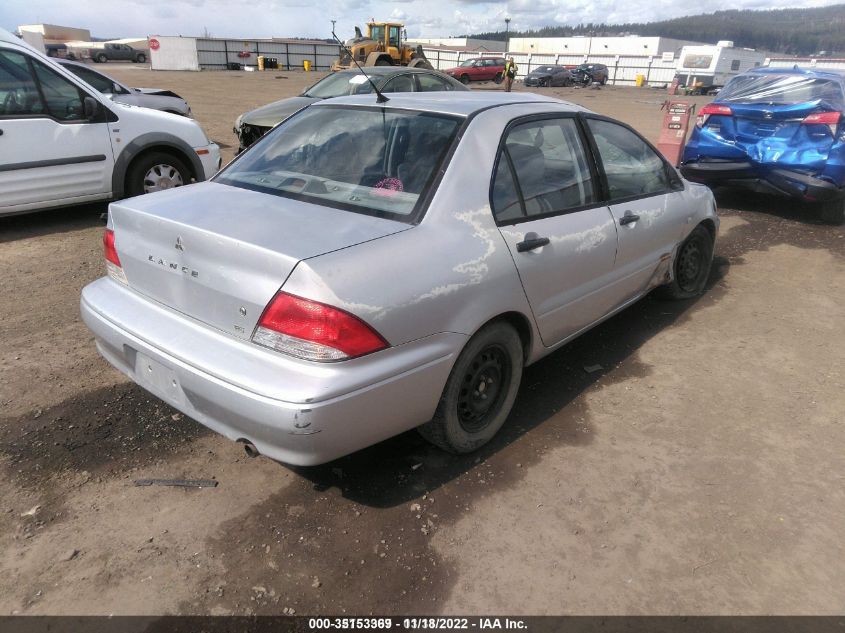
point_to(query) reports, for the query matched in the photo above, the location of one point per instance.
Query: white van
(63, 143)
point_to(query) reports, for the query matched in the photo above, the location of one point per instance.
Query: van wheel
(832, 211)
(480, 392)
(101, 58)
(156, 171)
(692, 266)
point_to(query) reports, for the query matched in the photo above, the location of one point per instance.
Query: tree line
(810, 31)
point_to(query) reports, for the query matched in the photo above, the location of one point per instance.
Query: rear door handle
(531, 243)
(628, 218)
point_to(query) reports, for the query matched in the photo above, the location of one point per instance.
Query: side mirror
(116, 88)
(90, 107)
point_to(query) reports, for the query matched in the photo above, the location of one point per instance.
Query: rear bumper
(745, 174)
(294, 411)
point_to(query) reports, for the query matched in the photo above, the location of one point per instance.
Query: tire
(383, 62)
(464, 420)
(141, 58)
(156, 171)
(101, 58)
(691, 266)
(832, 211)
(603, 81)
(465, 79)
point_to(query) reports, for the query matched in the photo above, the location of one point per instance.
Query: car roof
(456, 103)
(388, 70)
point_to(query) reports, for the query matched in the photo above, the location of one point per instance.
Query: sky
(304, 18)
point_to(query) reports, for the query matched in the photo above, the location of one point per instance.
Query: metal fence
(622, 69)
(807, 62)
(214, 54)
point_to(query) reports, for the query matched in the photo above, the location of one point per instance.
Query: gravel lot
(700, 471)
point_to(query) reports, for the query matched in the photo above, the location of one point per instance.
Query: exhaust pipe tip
(249, 449)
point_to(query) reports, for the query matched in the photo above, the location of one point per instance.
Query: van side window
(19, 94)
(64, 99)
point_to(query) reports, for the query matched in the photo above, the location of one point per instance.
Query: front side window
(550, 168)
(19, 94)
(394, 36)
(631, 167)
(64, 99)
(369, 160)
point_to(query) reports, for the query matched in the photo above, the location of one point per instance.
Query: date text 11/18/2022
(432, 623)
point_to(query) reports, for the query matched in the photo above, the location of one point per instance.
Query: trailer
(704, 69)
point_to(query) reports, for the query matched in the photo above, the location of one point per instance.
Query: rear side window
(429, 83)
(631, 167)
(402, 83)
(550, 169)
(98, 81)
(19, 94)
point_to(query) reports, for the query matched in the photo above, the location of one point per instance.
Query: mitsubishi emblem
(179, 246)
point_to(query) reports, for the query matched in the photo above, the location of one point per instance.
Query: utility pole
(333, 21)
(507, 34)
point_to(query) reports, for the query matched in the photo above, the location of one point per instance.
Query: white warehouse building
(585, 45)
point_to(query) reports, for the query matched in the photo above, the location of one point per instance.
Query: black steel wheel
(480, 392)
(692, 265)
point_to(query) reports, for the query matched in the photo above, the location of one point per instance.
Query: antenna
(380, 98)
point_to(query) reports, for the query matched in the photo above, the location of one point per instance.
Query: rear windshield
(369, 160)
(780, 89)
(340, 85)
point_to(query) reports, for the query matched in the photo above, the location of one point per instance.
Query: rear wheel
(832, 211)
(691, 267)
(480, 392)
(101, 58)
(141, 58)
(156, 171)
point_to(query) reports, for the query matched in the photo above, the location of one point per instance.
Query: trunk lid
(219, 254)
(770, 134)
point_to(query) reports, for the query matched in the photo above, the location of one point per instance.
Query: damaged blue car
(775, 130)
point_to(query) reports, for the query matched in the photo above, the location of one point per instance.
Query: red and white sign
(154, 44)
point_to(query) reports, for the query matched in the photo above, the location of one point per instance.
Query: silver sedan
(155, 98)
(367, 268)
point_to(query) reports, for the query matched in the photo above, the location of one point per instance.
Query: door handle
(628, 218)
(531, 243)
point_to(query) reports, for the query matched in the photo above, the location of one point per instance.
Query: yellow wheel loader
(381, 47)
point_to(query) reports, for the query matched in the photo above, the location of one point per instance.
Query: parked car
(154, 98)
(549, 76)
(479, 69)
(590, 73)
(62, 142)
(251, 126)
(365, 269)
(775, 130)
(116, 52)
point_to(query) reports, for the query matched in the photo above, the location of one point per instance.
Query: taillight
(113, 266)
(314, 331)
(830, 119)
(710, 109)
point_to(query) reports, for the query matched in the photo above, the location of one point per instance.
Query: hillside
(791, 31)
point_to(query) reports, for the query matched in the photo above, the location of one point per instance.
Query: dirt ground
(700, 471)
